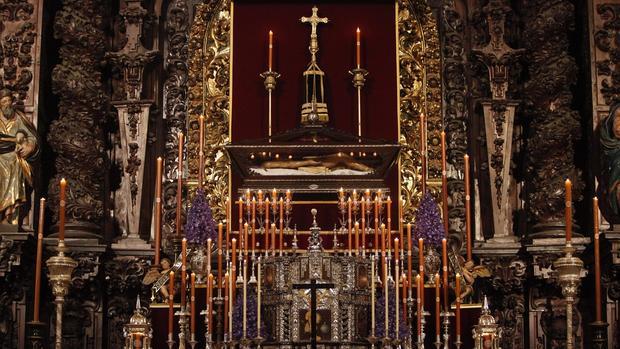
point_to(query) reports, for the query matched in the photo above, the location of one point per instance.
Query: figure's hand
(25, 149)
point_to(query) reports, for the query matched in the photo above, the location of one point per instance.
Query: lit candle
(597, 262)
(569, 211)
(437, 308)
(201, 153)
(266, 225)
(219, 254)
(179, 194)
(63, 204)
(183, 272)
(210, 303)
(444, 260)
(244, 241)
(444, 183)
(240, 217)
(358, 48)
(357, 238)
(423, 154)
(363, 223)
(37, 273)
(253, 223)
(270, 50)
(228, 222)
(389, 218)
(467, 208)
(258, 298)
(273, 238)
(158, 207)
(396, 251)
(350, 239)
(233, 274)
(192, 302)
(409, 256)
(260, 195)
(171, 304)
(458, 306)
(226, 281)
(421, 265)
(281, 225)
(383, 240)
(376, 223)
(288, 195)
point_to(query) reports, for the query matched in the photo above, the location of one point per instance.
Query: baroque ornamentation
(554, 125)
(606, 40)
(76, 136)
(175, 101)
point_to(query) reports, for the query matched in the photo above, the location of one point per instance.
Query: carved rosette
(76, 137)
(554, 125)
(175, 102)
(420, 92)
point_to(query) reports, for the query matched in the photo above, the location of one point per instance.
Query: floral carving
(606, 40)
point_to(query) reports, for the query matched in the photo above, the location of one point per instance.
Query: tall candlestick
(396, 288)
(226, 282)
(245, 298)
(358, 46)
(569, 211)
(421, 267)
(350, 239)
(376, 223)
(219, 254)
(253, 224)
(363, 219)
(281, 224)
(444, 183)
(270, 50)
(267, 211)
(467, 208)
(201, 152)
(192, 302)
(179, 194)
(61, 213)
(437, 307)
(158, 207)
(423, 153)
(372, 295)
(444, 261)
(357, 238)
(183, 272)
(597, 262)
(418, 285)
(37, 273)
(258, 298)
(409, 256)
(458, 305)
(210, 303)
(171, 303)
(404, 283)
(233, 275)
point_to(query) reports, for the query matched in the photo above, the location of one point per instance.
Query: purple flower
(403, 329)
(428, 224)
(200, 225)
(252, 316)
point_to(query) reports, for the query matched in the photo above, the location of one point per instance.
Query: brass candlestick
(359, 79)
(270, 85)
(60, 268)
(569, 269)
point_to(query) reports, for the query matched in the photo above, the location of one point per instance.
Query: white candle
(258, 299)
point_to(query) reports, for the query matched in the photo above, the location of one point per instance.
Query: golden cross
(314, 20)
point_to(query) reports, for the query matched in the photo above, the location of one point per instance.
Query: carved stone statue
(18, 148)
(610, 146)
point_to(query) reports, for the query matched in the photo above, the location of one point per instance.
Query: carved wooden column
(133, 121)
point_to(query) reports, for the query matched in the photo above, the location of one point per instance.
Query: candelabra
(569, 269)
(60, 268)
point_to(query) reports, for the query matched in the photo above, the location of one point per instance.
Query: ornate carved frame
(419, 67)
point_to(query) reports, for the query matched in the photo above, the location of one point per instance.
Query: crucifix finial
(314, 21)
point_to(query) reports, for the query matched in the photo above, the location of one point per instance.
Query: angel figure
(154, 276)
(470, 273)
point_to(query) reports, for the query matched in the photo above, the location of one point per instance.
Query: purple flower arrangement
(251, 316)
(403, 329)
(428, 225)
(200, 225)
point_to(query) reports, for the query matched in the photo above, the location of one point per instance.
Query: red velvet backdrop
(252, 21)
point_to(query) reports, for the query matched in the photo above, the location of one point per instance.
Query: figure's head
(165, 263)
(6, 102)
(616, 123)
(469, 265)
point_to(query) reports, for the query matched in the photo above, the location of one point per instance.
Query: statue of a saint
(18, 148)
(610, 146)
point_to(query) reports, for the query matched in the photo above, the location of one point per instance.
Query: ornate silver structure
(60, 268)
(569, 271)
(138, 329)
(487, 333)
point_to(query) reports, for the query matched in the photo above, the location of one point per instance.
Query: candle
(444, 260)
(358, 48)
(288, 195)
(421, 265)
(260, 195)
(254, 223)
(201, 153)
(158, 209)
(383, 240)
(171, 304)
(401, 232)
(376, 223)
(350, 240)
(228, 223)
(357, 238)
(240, 217)
(437, 308)
(270, 50)
(386, 297)
(423, 154)
(569, 211)
(192, 303)
(281, 224)
(244, 241)
(63, 204)
(467, 208)
(444, 183)
(396, 288)
(179, 194)
(231, 295)
(372, 295)
(258, 298)
(210, 303)
(396, 251)
(363, 223)
(418, 286)
(267, 233)
(209, 244)
(597, 262)
(183, 271)
(233, 275)
(273, 238)
(245, 298)
(266, 225)
(389, 218)
(409, 256)
(458, 306)
(226, 281)
(219, 254)
(37, 273)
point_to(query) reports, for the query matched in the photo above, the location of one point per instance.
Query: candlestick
(245, 298)
(396, 257)
(281, 225)
(383, 240)
(569, 211)
(171, 304)
(179, 194)
(357, 238)
(183, 272)
(226, 282)
(418, 285)
(409, 258)
(421, 266)
(37, 273)
(219, 254)
(437, 308)
(201, 153)
(444, 261)
(467, 208)
(363, 219)
(253, 225)
(405, 286)
(270, 50)
(387, 298)
(349, 224)
(210, 304)
(372, 295)
(358, 46)
(158, 208)
(231, 295)
(258, 299)
(228, 223)
(396, 288)
(61, 213)
(597, 262)
(458, 305)
(444, 183)
(192, 303)
(233, 276)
